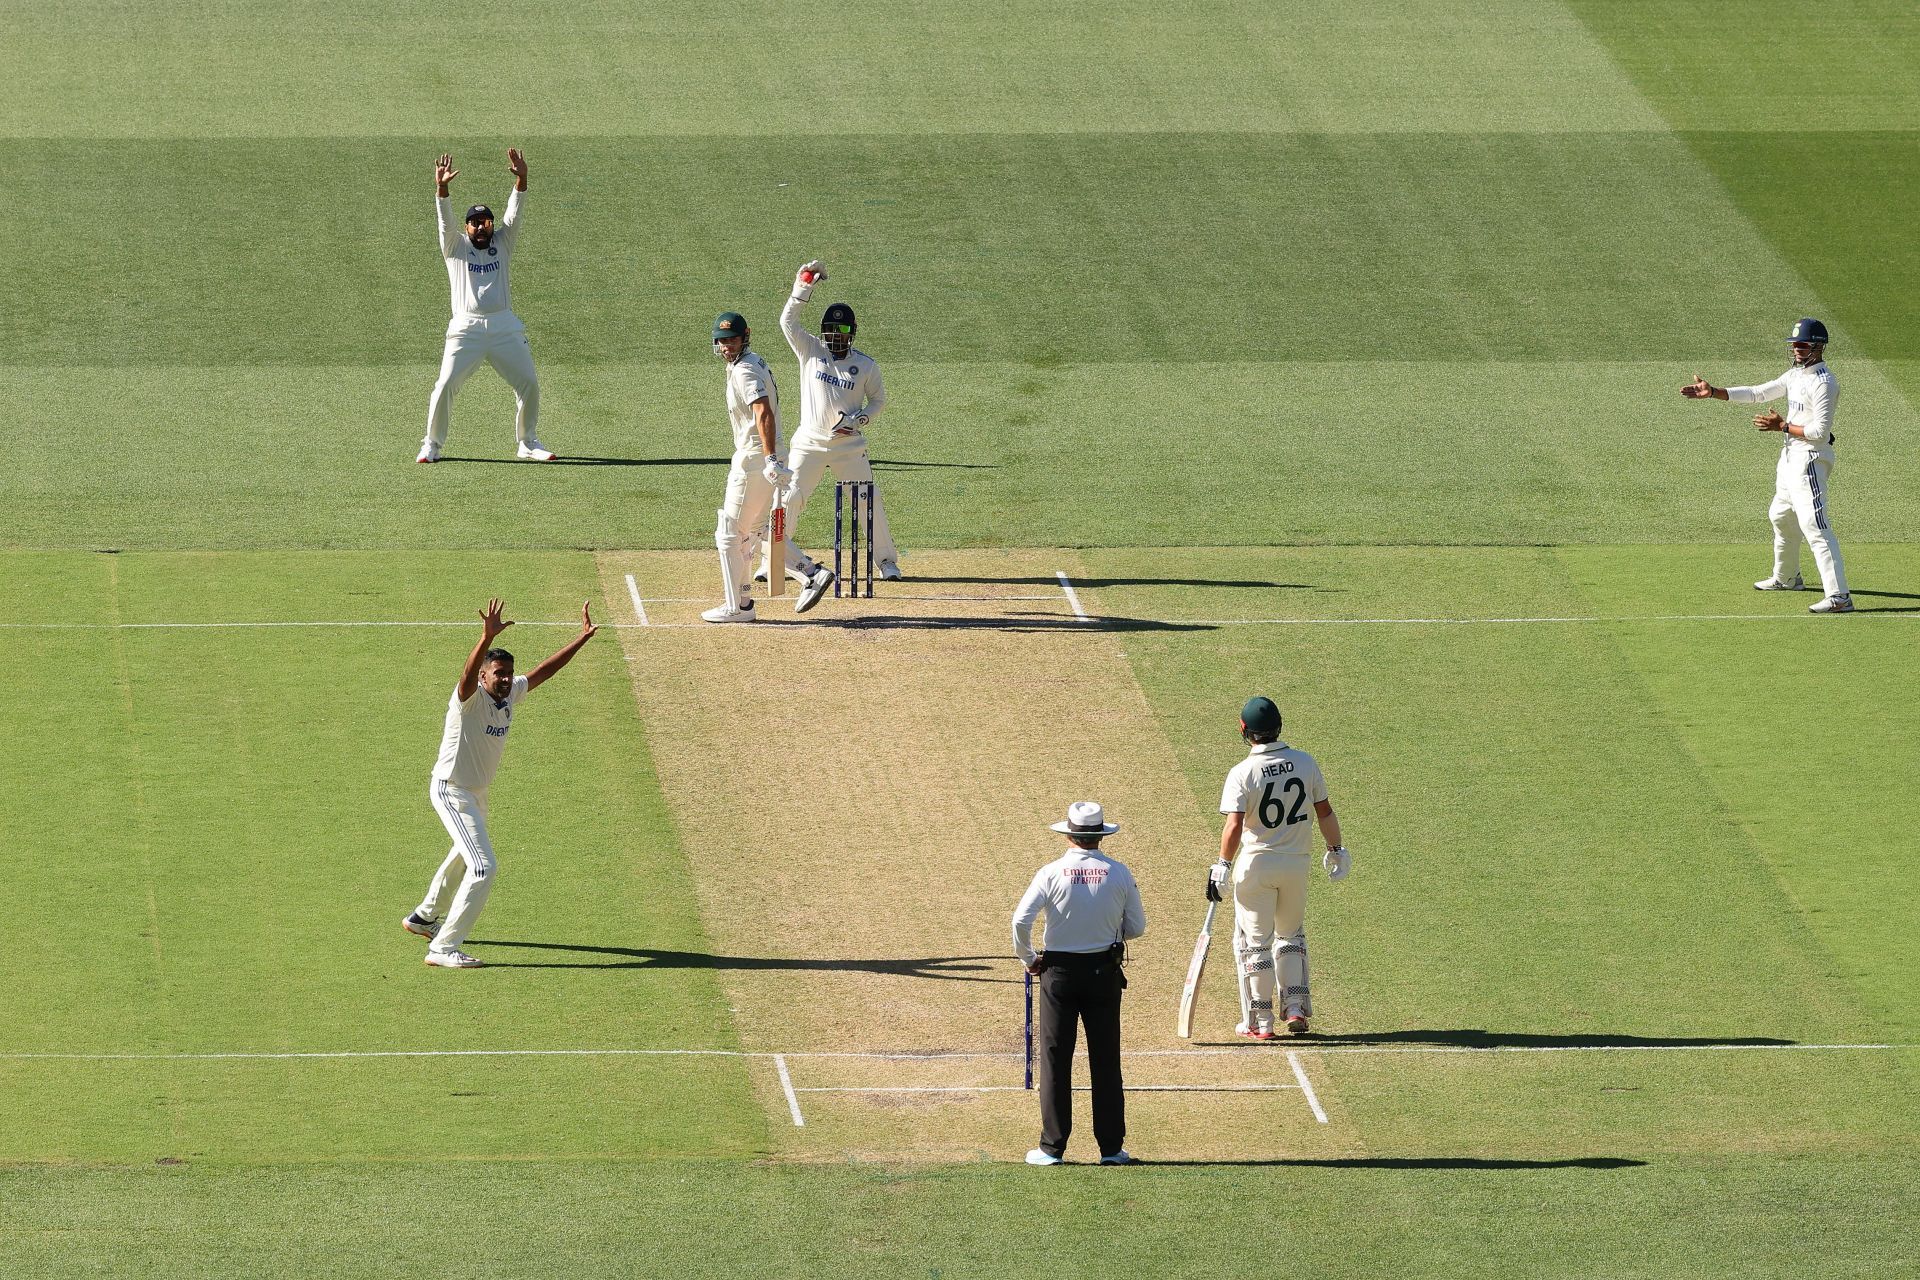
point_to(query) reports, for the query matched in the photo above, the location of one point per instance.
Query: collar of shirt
(1268, 748)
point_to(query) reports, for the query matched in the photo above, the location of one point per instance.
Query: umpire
(1093, 908)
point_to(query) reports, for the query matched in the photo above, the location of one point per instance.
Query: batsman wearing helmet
(756, 480)
(1800, 479)
(1263, 852)
(840, 394)
(484, 327)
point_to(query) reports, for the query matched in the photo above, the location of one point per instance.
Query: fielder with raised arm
(483, 327)
(1800, 478)
(1265, 849)
(840, 393)
(478, 717)
(756, 480)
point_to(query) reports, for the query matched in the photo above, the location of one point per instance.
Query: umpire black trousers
(1076, 989)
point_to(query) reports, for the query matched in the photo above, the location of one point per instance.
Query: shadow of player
(946, 968)
(1477, 1039)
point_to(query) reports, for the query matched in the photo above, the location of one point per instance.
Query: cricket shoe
(429, 452)
(1038, 1156)
(1775, 584)
(1833, 604)
(721, 613)
(454, 960)
(890, 571)
(816, 587)
(1246, 1032)
(534, 451)
(1296, 1023)
(417, 923)
(1122, 1156)
(799, 573)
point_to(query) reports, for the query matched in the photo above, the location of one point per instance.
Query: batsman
(1264, 852)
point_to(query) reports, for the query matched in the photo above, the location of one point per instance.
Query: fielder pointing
(1265, 848)
(483, 327)
(756, 478)
(1799, 509)
(478, 717)
(840, 394)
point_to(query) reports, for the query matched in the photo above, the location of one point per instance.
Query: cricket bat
(1195, 967)
(777, 553)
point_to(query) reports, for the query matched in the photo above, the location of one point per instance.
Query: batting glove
(810, 274)
(1217, 881)
(777, 473)
(1338, 862)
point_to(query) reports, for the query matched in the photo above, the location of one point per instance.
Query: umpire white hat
(1085, 818)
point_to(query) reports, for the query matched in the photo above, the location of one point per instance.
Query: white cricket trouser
(743, 524)
(1799, 511)
(847, 458)
(464, 814)
(1269, 909)
(506, 348)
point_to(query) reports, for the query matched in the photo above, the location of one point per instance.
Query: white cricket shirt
(476, 735)
(1276, 786)
(1812, 393)
(749, 379)
(1091, 902)
(479, 276)
(829, 387)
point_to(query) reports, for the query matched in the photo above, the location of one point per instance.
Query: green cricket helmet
(727, 325)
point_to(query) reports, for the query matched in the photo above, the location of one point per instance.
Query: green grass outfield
(1347, 341)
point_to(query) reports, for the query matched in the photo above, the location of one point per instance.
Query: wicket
(852, 498)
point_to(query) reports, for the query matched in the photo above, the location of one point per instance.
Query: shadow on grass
(564, 461)
(1024, 622)
(906, 465)
(1413, 1162)
(1888, 595)
(1477, 1039)
(948, 968)
(1052, 581)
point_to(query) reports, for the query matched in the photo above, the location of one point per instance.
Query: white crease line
(1249, 1051)
(639, 606)
(1066, 585)
(1306, 1086)
(786, 1082)
(890, 596)
(1020, 1088)
(1462, 622)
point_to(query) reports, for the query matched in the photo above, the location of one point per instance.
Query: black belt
(1083, 961)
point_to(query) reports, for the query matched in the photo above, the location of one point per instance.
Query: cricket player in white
(483, 327)
(840, 393)
(478, 717)
(756, 479)
(1265, 848)
(1800, 508)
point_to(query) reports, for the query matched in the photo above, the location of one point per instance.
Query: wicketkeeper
(840, 394)
(1264, 850)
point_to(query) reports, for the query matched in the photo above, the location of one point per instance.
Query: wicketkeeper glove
(810, 274)
(1338, 862)
(1217, 881)
(777, 473)
(851, 420)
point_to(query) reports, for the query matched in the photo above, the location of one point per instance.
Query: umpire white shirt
(479, 276)
(1812, 393)
(1091, 903)
(476, 736)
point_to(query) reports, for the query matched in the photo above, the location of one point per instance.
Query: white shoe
(534, 451)
(720, 613)
(429, 452)
(816, 587)
(889, 571)
(1774, 584)
(1122, 1156)
(1833, 604)
(1037, 1156)
(454, 960)
(417, 923)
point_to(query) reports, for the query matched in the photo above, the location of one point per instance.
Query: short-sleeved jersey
(1276, 786)
(748, 380)
(479, 276)
(475, 736)
(1813, 395)
(829, 387)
